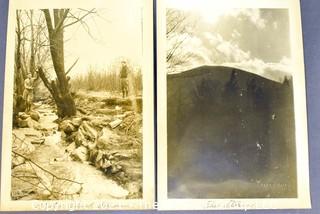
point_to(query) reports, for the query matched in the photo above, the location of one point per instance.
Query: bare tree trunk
(19, 86)
(32, 54)
(18, 101)
(59, 89)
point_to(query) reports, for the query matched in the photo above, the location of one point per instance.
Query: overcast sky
(257, 40)
(116, 32)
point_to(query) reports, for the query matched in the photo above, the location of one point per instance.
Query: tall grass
(95, 80)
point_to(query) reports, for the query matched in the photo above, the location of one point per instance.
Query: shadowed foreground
(230, 135)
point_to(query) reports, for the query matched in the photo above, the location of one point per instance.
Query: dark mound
(229, 124)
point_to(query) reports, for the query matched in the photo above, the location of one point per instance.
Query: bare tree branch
(62, 19)
(177, 34)
(75, 62)
(48, 20)
(78, 19)
(43, 169)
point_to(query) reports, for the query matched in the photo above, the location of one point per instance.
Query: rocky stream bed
(96, 154)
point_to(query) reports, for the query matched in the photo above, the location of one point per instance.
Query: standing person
(124, 79)
(28, 91)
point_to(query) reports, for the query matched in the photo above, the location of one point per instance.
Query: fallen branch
(43, 169)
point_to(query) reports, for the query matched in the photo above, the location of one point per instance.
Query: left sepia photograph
(78, 107)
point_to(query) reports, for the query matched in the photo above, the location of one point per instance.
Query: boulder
(76, 122)
(103, 163)
(22, 123)
(67, 127)
(114, 124)
(88, 131)
(28, 123)
(93, 154)
(80, 154)
(35, 115)
(107, 139)
(33, 124)
(80, 138)
(23, 115)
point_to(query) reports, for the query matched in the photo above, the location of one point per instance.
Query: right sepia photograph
(233, 128)
(230, 104)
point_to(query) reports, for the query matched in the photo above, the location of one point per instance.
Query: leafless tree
(18, 69)
(59, 88)
(177, 24)
(29, 43)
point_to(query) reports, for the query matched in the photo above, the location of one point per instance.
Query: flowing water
(53, 156)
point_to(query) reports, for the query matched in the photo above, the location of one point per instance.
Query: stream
(53, 156)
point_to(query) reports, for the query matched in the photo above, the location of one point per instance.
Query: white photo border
(303, 199)
(147, 202)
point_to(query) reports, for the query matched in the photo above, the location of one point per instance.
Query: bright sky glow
(117, 33)
(209, 10)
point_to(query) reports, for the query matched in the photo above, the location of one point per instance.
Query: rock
(77, 122)
(89, 132)
(72, 137)
(118, 108)
(115, 169)
(23, 115)
(80, 154)
(122, 175)
(80, 138)
(104, 163)
(107, 139)
(99, 156)
(22, 123)
(91, 145)
(35, 115)
(33, 124)
(67, 127)
(115, 123)
(28, 122)
(101, 160)
(93, 153)
(71, 147)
